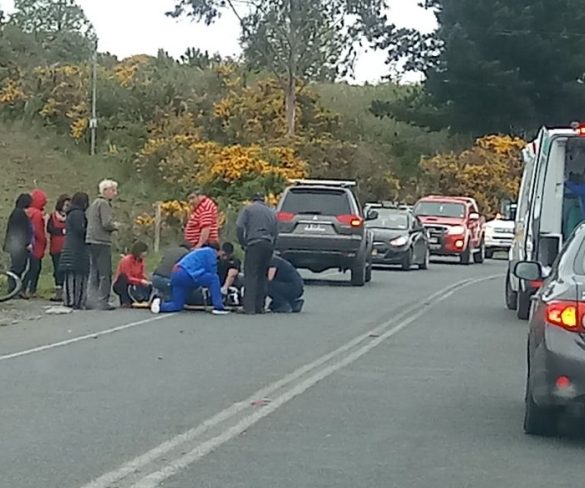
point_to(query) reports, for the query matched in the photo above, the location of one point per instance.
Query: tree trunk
(291, 106)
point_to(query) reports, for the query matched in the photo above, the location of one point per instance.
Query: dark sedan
(556, 339)
(399, 238)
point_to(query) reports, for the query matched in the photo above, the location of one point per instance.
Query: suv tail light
(285, 216)
(566, 314)
(351, 220)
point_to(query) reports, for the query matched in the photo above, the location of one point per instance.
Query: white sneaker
(155, 307)
(220, 312)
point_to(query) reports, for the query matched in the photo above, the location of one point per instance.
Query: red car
(454, 226)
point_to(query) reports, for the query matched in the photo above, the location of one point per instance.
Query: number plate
(434, 240)
(315, 228)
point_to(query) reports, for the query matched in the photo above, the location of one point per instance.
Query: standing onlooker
(36, 214)
(203, 225)
(19, 236)
(74, 259)
(56, 231)
(257, 233)
(100, 227)
(130, 282)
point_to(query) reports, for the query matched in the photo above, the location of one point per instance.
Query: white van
(547, 212)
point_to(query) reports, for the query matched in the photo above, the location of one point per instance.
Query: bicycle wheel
(10, 285)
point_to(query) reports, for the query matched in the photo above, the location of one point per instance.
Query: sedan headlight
(456, 230)
(399, 241)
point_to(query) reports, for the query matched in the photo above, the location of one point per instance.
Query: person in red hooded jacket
(36, 214)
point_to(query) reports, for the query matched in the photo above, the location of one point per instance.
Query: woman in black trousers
(19, 236)
(74, 260)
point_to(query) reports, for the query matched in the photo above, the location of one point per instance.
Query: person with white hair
(100, 228)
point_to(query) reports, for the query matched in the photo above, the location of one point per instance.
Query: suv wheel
(358, 272)
(368, 272)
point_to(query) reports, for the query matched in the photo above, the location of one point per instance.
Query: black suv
(322, 226)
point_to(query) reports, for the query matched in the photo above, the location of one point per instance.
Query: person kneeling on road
(285, 287)
(197, 269)
(228, 269)
(130, 282)
(161, 278)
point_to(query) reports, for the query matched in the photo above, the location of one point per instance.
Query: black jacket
(19, 232)
(75, 253)
(257, 223)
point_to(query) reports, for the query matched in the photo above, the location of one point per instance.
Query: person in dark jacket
(74, 259)
(257, 233)
(19, 237)
(285, 287)
(56, 231)
(161, 278)
(36, 214)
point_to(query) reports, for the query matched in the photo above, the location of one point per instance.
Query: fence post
(157, 226)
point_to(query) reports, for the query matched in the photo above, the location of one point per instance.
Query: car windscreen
(317, 202)
(440, 209)
(388, 219)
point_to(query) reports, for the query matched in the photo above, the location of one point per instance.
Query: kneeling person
(161, 278)
(197, 269)
(228, 269)
(285, 287)
(130, 282)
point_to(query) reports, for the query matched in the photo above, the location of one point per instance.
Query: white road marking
(192, 449)
(93, 335)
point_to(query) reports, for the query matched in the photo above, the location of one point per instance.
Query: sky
(128, 27)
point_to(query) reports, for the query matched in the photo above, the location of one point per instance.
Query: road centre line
(93, 335)
(193, 444)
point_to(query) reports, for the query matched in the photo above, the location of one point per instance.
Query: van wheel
(511, 295)
(523, 306)
(489, 253)
(358, 273)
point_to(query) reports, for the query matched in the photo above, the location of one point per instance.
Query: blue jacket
(200, 262)
(577, 190)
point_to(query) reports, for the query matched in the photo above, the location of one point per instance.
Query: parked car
(556, 338)
(454, 225)
(399, 238)
(322, 227)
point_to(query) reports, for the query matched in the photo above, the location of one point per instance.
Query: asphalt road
(414, 381)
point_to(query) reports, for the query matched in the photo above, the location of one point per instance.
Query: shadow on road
(323, 282)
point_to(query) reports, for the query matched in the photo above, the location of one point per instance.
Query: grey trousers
(100, 274)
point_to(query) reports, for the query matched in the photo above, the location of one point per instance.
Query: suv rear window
(317, 202)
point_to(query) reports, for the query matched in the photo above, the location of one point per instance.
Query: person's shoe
(58, 297)
(105, 307)
(220, 312)
(155, 306)
(297, 305)
(284, 308)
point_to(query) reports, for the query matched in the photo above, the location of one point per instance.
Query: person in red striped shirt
(203, 225)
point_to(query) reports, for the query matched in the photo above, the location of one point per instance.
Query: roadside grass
(32, 156)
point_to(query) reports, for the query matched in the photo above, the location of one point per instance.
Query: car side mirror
(474, 216)
(371, 215)
(529, 271)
